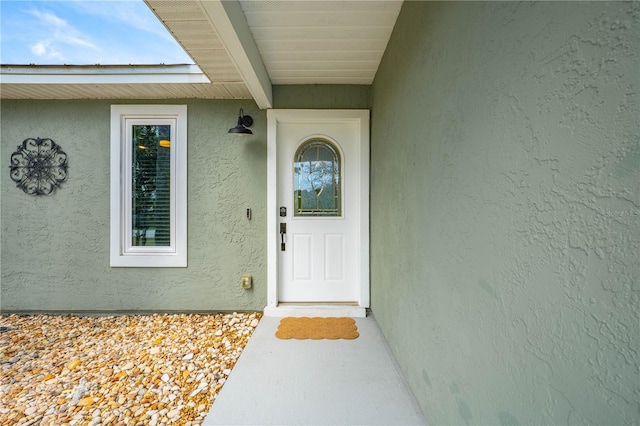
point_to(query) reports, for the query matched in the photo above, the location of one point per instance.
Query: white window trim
(122, 254)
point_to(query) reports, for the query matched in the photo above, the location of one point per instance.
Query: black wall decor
(38, 166)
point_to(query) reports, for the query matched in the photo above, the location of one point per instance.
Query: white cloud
(44, 49)
(49, 18)
(39, 49)
(60, 37)
(84, 32)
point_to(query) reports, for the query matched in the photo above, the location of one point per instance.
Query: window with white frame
(149, 185)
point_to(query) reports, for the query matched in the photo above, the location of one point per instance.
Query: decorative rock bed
(117, 370)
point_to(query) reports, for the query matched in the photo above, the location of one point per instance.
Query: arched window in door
(317, 179)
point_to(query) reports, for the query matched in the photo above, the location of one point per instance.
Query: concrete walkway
(316, 382)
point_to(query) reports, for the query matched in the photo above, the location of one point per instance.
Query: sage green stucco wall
(55, 248)
(505, 177)
(321, 96)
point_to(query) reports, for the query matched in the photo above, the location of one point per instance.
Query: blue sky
(86, 32)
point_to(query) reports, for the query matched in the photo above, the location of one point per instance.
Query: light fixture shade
(244, 121)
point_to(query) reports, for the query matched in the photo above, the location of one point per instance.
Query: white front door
(321, 197)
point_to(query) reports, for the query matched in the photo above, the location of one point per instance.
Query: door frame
(360, 117)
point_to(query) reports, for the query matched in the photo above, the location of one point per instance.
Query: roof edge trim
(101, 74)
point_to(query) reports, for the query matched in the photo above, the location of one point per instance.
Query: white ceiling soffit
(296, 41)
(216, 36)
(242, 46)
(320, 41)
(113, 82)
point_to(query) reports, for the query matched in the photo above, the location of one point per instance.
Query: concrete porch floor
(316, 382)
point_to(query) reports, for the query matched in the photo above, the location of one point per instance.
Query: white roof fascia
(101, 74)
(231, 24)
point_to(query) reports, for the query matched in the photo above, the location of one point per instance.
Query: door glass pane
(150, 189)
(317, 179)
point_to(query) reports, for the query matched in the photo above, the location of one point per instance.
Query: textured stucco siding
(505, 177)
(321, 96)
(55, 248)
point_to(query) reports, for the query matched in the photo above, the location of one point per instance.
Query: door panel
(301, 248)
(333, 257)
(316, 265)
(318, 188)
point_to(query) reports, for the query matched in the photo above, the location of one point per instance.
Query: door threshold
(340, 309)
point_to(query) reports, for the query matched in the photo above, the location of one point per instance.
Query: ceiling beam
(229, 20)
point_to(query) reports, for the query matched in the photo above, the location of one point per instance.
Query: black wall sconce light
(244, 121)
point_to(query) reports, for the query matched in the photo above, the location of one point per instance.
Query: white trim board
(102, 74)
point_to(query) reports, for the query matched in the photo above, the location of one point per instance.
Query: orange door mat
(317, 328)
